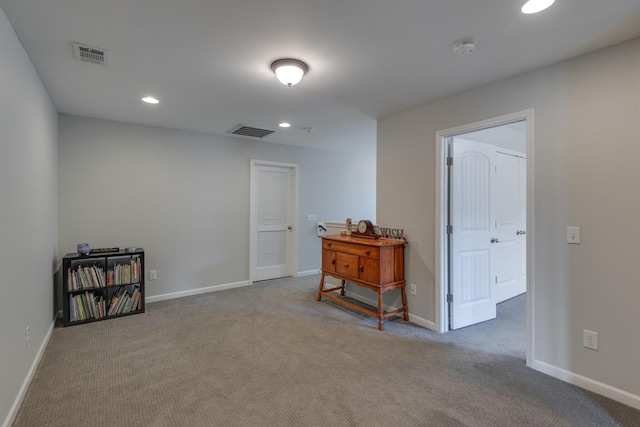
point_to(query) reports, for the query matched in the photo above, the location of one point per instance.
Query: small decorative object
(104, 250)
(393, 233)
(365, 229)
(348, 228)
(130, 249)
(83, 249)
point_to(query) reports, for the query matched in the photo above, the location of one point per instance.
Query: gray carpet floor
(270, 355)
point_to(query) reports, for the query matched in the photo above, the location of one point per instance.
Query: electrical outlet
(413, 289)
(590, 339)
(28, 335)
(153, 274)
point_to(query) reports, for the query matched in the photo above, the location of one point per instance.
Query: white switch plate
(312, 217)
(153, 274)
(573, 235)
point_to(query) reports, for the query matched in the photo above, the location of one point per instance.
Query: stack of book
(124, 302)
(124, 274)
(85, 278)
(86, 306)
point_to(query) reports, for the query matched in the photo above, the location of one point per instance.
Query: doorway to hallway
(481, 222)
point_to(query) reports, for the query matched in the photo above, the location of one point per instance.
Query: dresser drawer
(348, 265)
(350, 248)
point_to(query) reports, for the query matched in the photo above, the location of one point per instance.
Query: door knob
(289, 228)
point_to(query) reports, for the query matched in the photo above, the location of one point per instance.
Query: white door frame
(441, 271)
(253, 209)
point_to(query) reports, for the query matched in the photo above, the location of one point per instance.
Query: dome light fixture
(150, 100)
(285, 125)
(289, 71)
(535, 6)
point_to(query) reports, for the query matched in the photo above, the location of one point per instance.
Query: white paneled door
(488, 236)
(273, 195)
(471, 234)
(521, 233)
(506, 208)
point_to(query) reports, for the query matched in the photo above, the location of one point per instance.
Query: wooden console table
(377, 264)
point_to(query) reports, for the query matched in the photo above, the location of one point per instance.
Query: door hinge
(449, 229)
(449, 297)
(449, 161)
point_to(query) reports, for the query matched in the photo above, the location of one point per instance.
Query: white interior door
(507, 214)
(273, 213)
(521, 233)
(472, 230)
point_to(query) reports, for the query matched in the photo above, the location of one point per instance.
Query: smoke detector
(463, 47)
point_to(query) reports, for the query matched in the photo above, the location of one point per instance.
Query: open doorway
(482, 220)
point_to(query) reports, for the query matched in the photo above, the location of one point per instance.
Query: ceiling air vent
(244, 130)
(86, 53)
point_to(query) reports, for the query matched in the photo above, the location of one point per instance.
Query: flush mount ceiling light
(285, 125)
(535, 6)
(289, 71)
(150, 100)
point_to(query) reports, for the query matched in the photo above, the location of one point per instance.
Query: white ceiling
(209, 61)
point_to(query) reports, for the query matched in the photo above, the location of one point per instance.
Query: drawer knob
(346, 266)
(329, 244)
(367, 252)
(362, 268)
(333, 261)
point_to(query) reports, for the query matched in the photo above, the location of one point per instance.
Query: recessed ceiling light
(535, 6)
(150, 100)
(285, 125)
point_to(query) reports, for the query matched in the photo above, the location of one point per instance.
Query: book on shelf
(125, 273)
(87, 277)
(86, 306)
(124, 302)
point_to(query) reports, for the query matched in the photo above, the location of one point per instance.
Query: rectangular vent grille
(86, 53)
(244, 130)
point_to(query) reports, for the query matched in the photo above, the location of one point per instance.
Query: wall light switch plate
(573, 235)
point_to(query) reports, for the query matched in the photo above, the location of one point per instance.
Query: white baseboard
(588, 384)
(27, 381)
(421, 321)
(308, 273)
(196, 291)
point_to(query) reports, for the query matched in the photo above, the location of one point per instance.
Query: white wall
(586, 127)
(28, 223)
(184, 197)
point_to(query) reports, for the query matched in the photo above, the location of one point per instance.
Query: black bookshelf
(102, 285)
